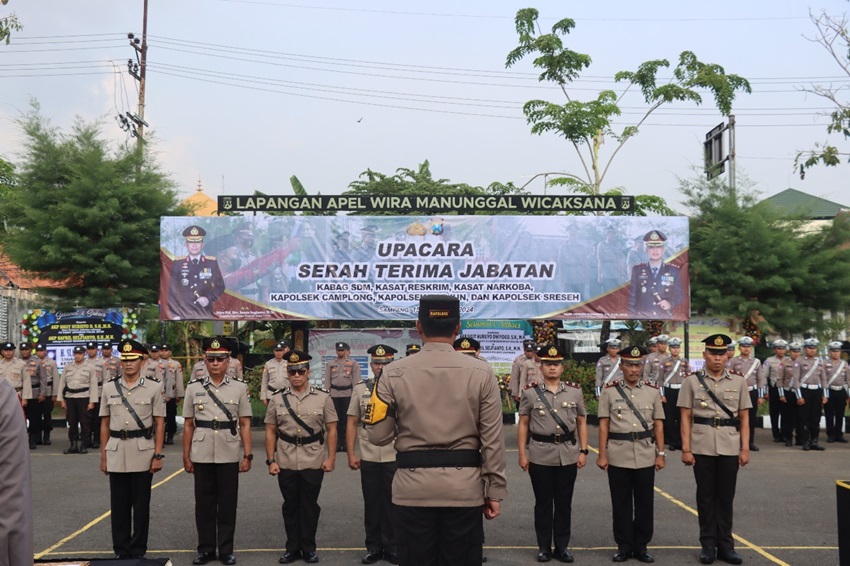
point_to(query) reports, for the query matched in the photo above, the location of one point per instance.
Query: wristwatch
(159, 456)
(661, 453)
(585, 451)
(249, 457)
(269, 462)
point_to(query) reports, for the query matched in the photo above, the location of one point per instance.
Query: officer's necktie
(654, 272)
(194, 262)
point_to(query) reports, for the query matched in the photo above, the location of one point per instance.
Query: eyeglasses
(298, 371)
(214, 359)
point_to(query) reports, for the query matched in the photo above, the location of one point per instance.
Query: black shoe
(775, 439)
(204, 557)
(807, 446)
(830, 439)
(169, 439)
(754, 448)
(391, 557)
(788, 443)
(544, 556)
(83, 450)
(289, 557)
(707, 555)
(73, 449)
(815, 446)
(564, 555)
(311, 557)
(483, 559)
(47, 438)
(730, 557)
(672, 448)
(228, 559)
(32, 441)
(621, 556)
(644, 557)
(799, 442)
(372, 557)
(837, 439)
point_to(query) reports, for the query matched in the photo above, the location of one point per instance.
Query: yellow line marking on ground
(96, 521)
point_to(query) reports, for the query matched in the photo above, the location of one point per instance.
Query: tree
(8, 24)
(86, 215)
(747, 261)
(833, 36)
(586, 124)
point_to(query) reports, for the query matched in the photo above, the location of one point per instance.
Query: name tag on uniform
(201, 394)
(114, 396)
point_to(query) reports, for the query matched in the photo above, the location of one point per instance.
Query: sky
(243, 94)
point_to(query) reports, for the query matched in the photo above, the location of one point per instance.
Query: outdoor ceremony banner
(377, 268)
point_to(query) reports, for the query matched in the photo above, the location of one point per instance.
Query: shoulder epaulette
(152, 378)
(735, 372)
(212, 257)
(650, 384)
(322, 389)
(530, 384)
(116, 378)
(181, 258)
(239, 380)
(196, 380)
(571, 384)
(284, 389)
(612, 384)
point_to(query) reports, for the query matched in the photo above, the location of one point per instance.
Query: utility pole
(135, 124)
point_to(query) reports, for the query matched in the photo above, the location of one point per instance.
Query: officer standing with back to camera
(552, 445)
(673, 373)
(49, 375)
(750, 367)
(216, 431)
(132, 411)
(715, 407)
(412, 349)
(341, 375)
(377, 465)
(447, 413)
(300, 424)
(631, 450)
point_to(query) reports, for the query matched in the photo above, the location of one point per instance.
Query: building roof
(201, 204)
(13, 276)
(792, 202)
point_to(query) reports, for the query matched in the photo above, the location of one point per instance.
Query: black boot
(815, 446)
(169, 439)
(95, 442)
(807, 446)
(46, 435)
(73, 449)
(38, 441)
(83, 447)
(32, 436)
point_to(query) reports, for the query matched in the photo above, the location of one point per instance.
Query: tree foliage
(747, 261)
(586, 124)
(8, 24)
(833, 36)
(86, 215)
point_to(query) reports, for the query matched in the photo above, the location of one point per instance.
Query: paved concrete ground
(785, 510)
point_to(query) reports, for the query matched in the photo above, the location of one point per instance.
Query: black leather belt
(125, 434)
(717, 421)
(217, 425)
(555, 438)
(633, 436)
(341, 387)
(270, 388)
(439, 459)
(81, 390)
(301, 440)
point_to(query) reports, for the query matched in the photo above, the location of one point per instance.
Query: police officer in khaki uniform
(376, 464)
(750, 367)
(791, 424)
(608, 366)
(153, 368)
(274, 373)
(94, 413)
(15, 372)
(49, 375)
(412, 349)
(811, 396)
(16, 525)
(447, 412)
(300, 424)
(673, 372)
(716, 443)
(529, 349)
(132, 411)
(341, 375)
(77, 392)
(772, 370)
(33, 409)
(837, 382)
(552, 443)
(654, 362)
(216, 449)
(631, 450)
(174, 390)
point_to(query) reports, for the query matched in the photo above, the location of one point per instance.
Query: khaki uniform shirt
(15, 372)
(605, 371)
(443, 400)
(234, 369)
(315, 408)
(672, 373)
(199, 371)
(33, 367)
(97, 364)
(145, 396)
(529, 371)
(341, 376)
(173, 384)
(653, 366)
(216, 446)
(357, 408)
(750, 368)
(16, 525)
(568, 402)
(612, 406)
(111, 367)
(154, 369)
(49, 374)
(78, 376)
(706, 439)
(837, 374)
(773, 368)
(790, 372)
(513, 383)
(810, 374)
(274, 377)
